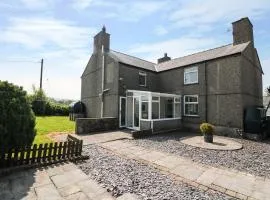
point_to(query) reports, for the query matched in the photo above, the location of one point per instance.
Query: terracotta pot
(208, 137)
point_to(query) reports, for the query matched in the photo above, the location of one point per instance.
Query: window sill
(195, 116)
(191, 83)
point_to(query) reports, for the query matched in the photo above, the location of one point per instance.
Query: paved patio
(234, 183)
(56, 182)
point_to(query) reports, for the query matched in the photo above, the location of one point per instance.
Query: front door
(122, 112)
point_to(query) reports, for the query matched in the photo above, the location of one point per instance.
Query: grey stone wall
(91, 125)
(130, 79)
(162, 125)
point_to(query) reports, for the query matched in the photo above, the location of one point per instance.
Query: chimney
(102, 38)
(164, 59)
(242, 31)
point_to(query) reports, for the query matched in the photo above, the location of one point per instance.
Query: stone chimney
(102, 38)
(164, 59)
(242, 31)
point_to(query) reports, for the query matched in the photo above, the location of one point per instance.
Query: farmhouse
(213, 85)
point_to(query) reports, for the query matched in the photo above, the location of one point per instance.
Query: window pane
(145, 98)
(191, 109)
(191, 99)
(166, 107)
(177, 108)
(155, 110)
(155, 98)
(142, 79)
(191, 75)
(144, 110)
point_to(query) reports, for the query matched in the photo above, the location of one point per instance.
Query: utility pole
(41, 74)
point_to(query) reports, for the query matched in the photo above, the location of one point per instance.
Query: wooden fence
(42, 153)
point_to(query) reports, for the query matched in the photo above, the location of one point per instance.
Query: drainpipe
(206, 92)
(102, 82)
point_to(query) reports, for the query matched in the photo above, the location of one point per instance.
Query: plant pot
(208, 137)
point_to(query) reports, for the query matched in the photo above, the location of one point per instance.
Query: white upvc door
(136, 112)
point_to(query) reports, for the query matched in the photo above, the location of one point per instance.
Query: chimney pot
(164, 59)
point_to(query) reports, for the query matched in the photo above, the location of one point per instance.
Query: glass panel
(129, 112)
(166, 107)
(155, 110)
(191, 109)
(191, 76)
(123, 112)
(155, 98)
(136, 112)
(177, 110)
(177, 99)
(145, 98)
(144, 110)
(191, 99)
(142, 79)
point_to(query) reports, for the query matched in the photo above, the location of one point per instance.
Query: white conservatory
(144, 110)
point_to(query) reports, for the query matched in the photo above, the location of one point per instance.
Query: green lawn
(46, 125)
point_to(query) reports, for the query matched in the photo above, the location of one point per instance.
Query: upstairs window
(191, 75)
(142, 79)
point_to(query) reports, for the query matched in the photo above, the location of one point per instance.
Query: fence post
(34, 154)
(22, 155)
(44, 158)
(64, 150)
(50, 152)
(28, 154)
(39, 152)
(60, 151)
(55, 151)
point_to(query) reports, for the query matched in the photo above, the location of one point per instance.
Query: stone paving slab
(55, 182)
(234, 183)
(104, 137)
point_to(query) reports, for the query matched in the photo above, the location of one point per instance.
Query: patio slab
(219, 143)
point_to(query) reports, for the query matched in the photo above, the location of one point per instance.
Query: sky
(61, 32)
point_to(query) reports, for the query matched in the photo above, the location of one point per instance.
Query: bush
(56, 109)
(17, 120)
(207, 128)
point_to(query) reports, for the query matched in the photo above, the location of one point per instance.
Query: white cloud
(160, 30)
(123, 10)
(194, 13)
(38, 32)
(36, 4)
(174, 47)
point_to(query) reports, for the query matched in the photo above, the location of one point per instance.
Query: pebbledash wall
(225, 85)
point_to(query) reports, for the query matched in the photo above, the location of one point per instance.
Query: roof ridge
(133, 56)
(196, 53)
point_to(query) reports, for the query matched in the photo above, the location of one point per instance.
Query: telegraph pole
(41, 74)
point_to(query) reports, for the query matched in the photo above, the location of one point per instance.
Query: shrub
(56, 109)
(17, 120)
(206, 128)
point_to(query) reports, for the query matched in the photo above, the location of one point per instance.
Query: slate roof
(133, 61)
(181, 61)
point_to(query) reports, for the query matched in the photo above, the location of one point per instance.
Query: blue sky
(61, 32)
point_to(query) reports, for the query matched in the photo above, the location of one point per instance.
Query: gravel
(120, 175)
(253, 158)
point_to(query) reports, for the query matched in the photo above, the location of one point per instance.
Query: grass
(46, 125)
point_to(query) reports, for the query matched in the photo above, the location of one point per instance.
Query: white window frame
(145, 78)
(197, 96)
(191, 70)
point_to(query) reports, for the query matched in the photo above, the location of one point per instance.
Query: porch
(144, 110)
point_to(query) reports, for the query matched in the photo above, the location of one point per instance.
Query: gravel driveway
(254, 158)
(121, 175)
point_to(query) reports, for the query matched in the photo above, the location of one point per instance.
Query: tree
(38, 101)
(17, 120)
(267, 91)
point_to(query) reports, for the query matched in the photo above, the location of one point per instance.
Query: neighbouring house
(211, 86)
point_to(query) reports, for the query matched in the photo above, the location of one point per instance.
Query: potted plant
(207, 131)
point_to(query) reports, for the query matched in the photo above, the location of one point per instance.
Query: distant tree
(38, 101)
(267, 90)
(17, 120)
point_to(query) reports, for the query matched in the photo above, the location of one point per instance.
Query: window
(166, 107)
(155, 107)
(191, 105)
(142, 79)
(177, 107)
(191, 75)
